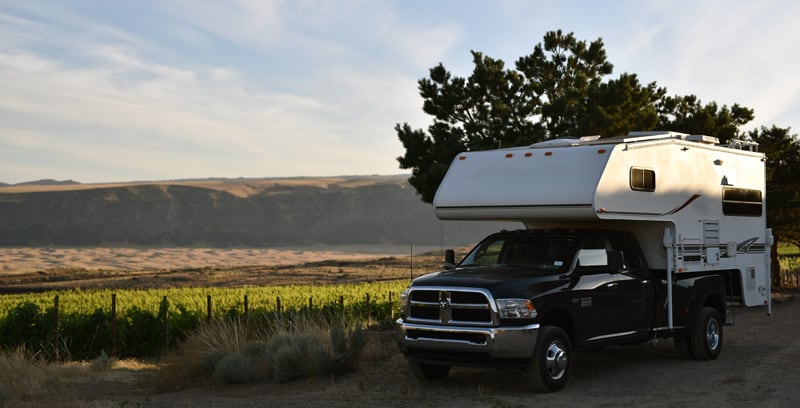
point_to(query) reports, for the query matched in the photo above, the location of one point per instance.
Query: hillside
(242, 212)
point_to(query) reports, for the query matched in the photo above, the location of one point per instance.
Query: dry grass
(28, 381)
(197, 359)
(25, 378)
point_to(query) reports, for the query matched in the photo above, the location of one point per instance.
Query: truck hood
(502, 281)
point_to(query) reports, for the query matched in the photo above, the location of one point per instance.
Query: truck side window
(632, 255)
(593, 252)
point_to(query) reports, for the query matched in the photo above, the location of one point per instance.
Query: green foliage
(782, 149)
(85, 320)
(559, 90)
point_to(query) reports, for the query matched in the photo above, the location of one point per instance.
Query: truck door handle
(612, 285)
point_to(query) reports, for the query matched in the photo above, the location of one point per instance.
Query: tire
(705, 342)
(428, 372)
(550, 366)
(682, 348)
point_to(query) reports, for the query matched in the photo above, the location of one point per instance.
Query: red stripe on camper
(689, 201)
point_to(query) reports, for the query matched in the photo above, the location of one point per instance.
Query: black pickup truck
(528, 299)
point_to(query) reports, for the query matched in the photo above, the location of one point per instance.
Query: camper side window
(741, 201)
(643, 179)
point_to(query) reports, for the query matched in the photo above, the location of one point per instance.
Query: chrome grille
(451, 306)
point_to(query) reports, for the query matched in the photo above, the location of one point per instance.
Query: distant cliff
(263, 212)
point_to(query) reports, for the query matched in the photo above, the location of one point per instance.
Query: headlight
(404, 299)
(516, 309)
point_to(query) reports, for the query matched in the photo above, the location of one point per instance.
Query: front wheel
(705, 342)
(428, 372)
(551, 363)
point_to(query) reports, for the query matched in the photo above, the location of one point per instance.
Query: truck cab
(584, 288)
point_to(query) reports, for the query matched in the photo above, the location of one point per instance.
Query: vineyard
(82, 324)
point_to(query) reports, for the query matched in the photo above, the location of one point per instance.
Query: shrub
(235, 369)
(211, 359)
(346, 348)
(294, 356)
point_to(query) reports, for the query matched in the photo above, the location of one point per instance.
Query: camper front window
(642, 179)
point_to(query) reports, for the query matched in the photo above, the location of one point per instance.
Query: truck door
(610, 302)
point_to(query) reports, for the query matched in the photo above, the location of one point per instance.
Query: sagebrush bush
(299, 346)
(211, 359)
(235, 369)
(294, 356)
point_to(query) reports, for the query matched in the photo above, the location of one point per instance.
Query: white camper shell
(694, 205)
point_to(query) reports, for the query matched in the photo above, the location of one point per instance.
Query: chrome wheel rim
(556, 360)
(712, 334)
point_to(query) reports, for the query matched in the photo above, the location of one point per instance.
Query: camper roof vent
(560, 142)
(743, 145)
(703, 139)
(566, 141)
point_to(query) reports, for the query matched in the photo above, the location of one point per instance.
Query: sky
(116, 90)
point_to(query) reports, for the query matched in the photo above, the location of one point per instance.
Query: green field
(83, 323)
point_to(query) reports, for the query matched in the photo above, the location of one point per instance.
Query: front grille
(450, 306)
(474, 338)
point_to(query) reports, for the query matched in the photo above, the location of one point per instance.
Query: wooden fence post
(391, 306)
(166, 323)
(58, 329)
(368, 307)
(208, 308)
(245, 307)
(278, 305)
(113, 324)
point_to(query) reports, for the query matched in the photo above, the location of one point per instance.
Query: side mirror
(449, 259)
(616, 261)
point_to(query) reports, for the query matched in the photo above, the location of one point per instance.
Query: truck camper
(625, 239)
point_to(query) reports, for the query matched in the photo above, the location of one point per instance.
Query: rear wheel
(705, 342)
(551, 363)
(428, 372)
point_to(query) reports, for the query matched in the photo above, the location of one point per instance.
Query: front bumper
(512, 342)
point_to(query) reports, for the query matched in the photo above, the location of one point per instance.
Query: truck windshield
(544, 254)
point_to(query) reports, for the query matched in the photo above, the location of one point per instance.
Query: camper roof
(631, 137)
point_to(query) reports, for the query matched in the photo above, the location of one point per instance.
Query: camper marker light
(718, 162)
(509, 155)
(528, 154)
(601, 151)
(548, 153)
(462, 158)
(516, 309)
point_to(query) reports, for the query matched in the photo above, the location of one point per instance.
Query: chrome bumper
(497, 342)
